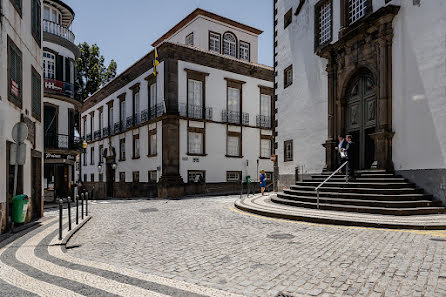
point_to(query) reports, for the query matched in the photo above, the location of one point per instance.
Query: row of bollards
(83, 197)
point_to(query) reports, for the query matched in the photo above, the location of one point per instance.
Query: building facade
(21, 101)
(366, 68)
(61, 106)
(201, 124)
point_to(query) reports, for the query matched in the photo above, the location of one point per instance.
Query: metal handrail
(326, 180)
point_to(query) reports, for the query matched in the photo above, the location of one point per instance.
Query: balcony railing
(195, 111)
(105, 132)
(152, 113)
(88, 139)
(97, 135)
(132, 121)
(58, 87)
(62, 141)
(57, 29)
(235, 117)
(263, 121)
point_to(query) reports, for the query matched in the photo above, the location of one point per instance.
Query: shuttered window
(36, 94)
(36, 20)
(15, 83)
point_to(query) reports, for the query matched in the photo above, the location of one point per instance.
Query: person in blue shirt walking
(262, 181)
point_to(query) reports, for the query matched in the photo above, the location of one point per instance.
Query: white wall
(19, 30)
(302, 107)
(201, 26)
(419, 86)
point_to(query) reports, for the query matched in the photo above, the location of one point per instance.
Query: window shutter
(67, 70)
(36, 95)
(59, 68)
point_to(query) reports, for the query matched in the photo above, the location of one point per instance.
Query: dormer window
(214, 42)
(230, 45)
(244, 51)
(190, 39)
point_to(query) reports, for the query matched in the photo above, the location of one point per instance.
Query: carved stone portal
(360, 89)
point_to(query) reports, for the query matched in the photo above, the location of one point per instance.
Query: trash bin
(19, 208)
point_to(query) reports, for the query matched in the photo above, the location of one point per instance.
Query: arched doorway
(360, 117)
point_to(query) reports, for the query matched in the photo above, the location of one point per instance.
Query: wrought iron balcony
(132, 121)
(105, 132)
(117, 128)
(57, 29)
(152, 113)
(62, 141)
(88, 139)
(235, 117)
(263, 121)
(195, 111)
(97, 135)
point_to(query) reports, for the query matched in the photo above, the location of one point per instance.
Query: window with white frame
(152, 95)
(356, 10)
(153, 176)
(101, 119)
(233, 176)
(110, 117)
(265, 148)
(152, 142)
(122, 149)
(136, 104)
(233, 99)
(190, 39)
(265, 105)
(136, 146)
(324, 22)
(195, 92)
(233, 145)
(194, 176)
(244, 51)
(49, 65)
(229, 45)
(196, 143)
(122, 111)
(214, 42)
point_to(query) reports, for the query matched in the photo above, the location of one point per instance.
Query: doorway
(110, 176)
(36, 185)
(360, 118)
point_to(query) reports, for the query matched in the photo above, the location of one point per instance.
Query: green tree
(92, 73)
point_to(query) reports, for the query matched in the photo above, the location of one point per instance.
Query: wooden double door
(360, 118)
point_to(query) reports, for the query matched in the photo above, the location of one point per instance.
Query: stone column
(384, 134)
(330, 143)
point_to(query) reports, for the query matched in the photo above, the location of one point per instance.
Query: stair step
(363, 179)
(357, 184)
(364, 175)
(381, 197)
(360, 190)
(362, 202)
(363, 209)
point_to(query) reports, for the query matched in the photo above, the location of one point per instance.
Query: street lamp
(114, 165)
(100, 167)
(84, 144)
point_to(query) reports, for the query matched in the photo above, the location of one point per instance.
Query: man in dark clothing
(342, 144)
(349, 151)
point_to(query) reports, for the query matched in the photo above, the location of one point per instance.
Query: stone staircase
(373, 191)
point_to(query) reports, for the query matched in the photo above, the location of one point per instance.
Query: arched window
(229, 45)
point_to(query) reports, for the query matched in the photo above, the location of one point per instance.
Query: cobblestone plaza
(204, 247)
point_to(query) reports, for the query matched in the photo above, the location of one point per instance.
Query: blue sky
(125, 30)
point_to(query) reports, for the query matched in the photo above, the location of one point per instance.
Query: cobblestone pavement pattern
(204, 247)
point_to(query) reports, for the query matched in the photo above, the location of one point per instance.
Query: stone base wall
(122, 190)
(2, 217)
(225, 188)
(433, 181)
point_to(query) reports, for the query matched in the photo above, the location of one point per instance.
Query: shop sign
(60, 156)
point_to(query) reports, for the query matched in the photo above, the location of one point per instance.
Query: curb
(70, 234)
(332, 221)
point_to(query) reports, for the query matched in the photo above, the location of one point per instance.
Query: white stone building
(371, 68)
(207, 113)
(20, 100)
(61, 107)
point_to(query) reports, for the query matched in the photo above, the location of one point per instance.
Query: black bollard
(60, 218)
(86, 204)
(77, 209)
(82, 206)
(69, 213)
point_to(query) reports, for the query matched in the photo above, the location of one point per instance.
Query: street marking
(419, 232)
(25, 254)
(58, 253)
